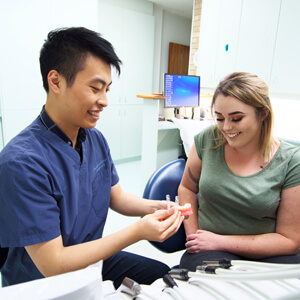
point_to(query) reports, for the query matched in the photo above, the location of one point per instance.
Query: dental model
(185, 210)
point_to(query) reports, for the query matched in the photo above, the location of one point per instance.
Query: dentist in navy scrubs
(58, 180)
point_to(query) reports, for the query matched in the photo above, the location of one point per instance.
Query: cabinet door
(110, 125)
(108, 15)
(208, 42)
(218, 40)
(138, 55)
(132, 35)
(228, 38)
(257, 37)
(285, 76)
(132, 117)
(122, 128)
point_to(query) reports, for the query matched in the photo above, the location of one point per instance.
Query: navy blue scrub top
(47, 189)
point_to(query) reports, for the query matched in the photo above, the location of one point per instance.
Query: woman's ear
(54, 81)
(265, 113)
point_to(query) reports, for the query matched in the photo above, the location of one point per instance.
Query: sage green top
(235, 205)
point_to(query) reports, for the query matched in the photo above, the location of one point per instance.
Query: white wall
(169, 28)
(175, 29)
(143, 6)
(23, 27)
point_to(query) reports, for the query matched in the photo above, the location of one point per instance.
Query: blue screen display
(181, 90)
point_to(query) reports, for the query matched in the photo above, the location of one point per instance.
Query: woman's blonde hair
(253, 91)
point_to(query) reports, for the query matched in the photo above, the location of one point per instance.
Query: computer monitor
(181, 91)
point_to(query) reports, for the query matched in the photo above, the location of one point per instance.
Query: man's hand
(163, 204)
(160, 225)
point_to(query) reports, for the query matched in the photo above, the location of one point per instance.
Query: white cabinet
(122, 127)
(132, 35)
(257, 36)
(285, 76)
(138, 55)
(111, 19)
(208, 42)
(132, 121)
(218, 40)
(109, 124)
(229, 22)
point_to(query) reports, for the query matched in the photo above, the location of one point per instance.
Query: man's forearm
(52, 258)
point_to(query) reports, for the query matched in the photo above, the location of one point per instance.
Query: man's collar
(50, 125)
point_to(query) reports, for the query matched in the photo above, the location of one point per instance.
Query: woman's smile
(233, 135)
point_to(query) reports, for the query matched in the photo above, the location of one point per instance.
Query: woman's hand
(202, 241)
(160, 225)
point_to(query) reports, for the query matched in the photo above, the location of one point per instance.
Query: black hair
(66, 49)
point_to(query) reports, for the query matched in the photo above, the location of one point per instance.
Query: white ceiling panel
(183, 8)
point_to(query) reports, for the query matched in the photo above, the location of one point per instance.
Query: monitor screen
(181, 90)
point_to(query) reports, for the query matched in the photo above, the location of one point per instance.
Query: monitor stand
(177, 112)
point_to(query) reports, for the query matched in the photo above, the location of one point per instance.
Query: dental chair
(165, 181)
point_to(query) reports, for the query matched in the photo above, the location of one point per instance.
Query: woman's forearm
(259, 246)
(188, 196)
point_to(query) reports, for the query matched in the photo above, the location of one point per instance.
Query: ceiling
(183, 8)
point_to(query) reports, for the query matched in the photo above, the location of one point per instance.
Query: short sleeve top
(234, 205)
(47, 190)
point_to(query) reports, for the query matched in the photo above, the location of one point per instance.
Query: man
(57, 178)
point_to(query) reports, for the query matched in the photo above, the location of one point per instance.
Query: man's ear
(54, 81)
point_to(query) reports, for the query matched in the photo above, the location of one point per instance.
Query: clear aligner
(168, 201)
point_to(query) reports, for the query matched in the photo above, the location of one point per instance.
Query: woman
(247, 181)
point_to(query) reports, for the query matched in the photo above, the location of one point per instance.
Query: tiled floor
(130, 180)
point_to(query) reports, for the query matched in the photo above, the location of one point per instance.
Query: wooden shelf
(152, 96)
